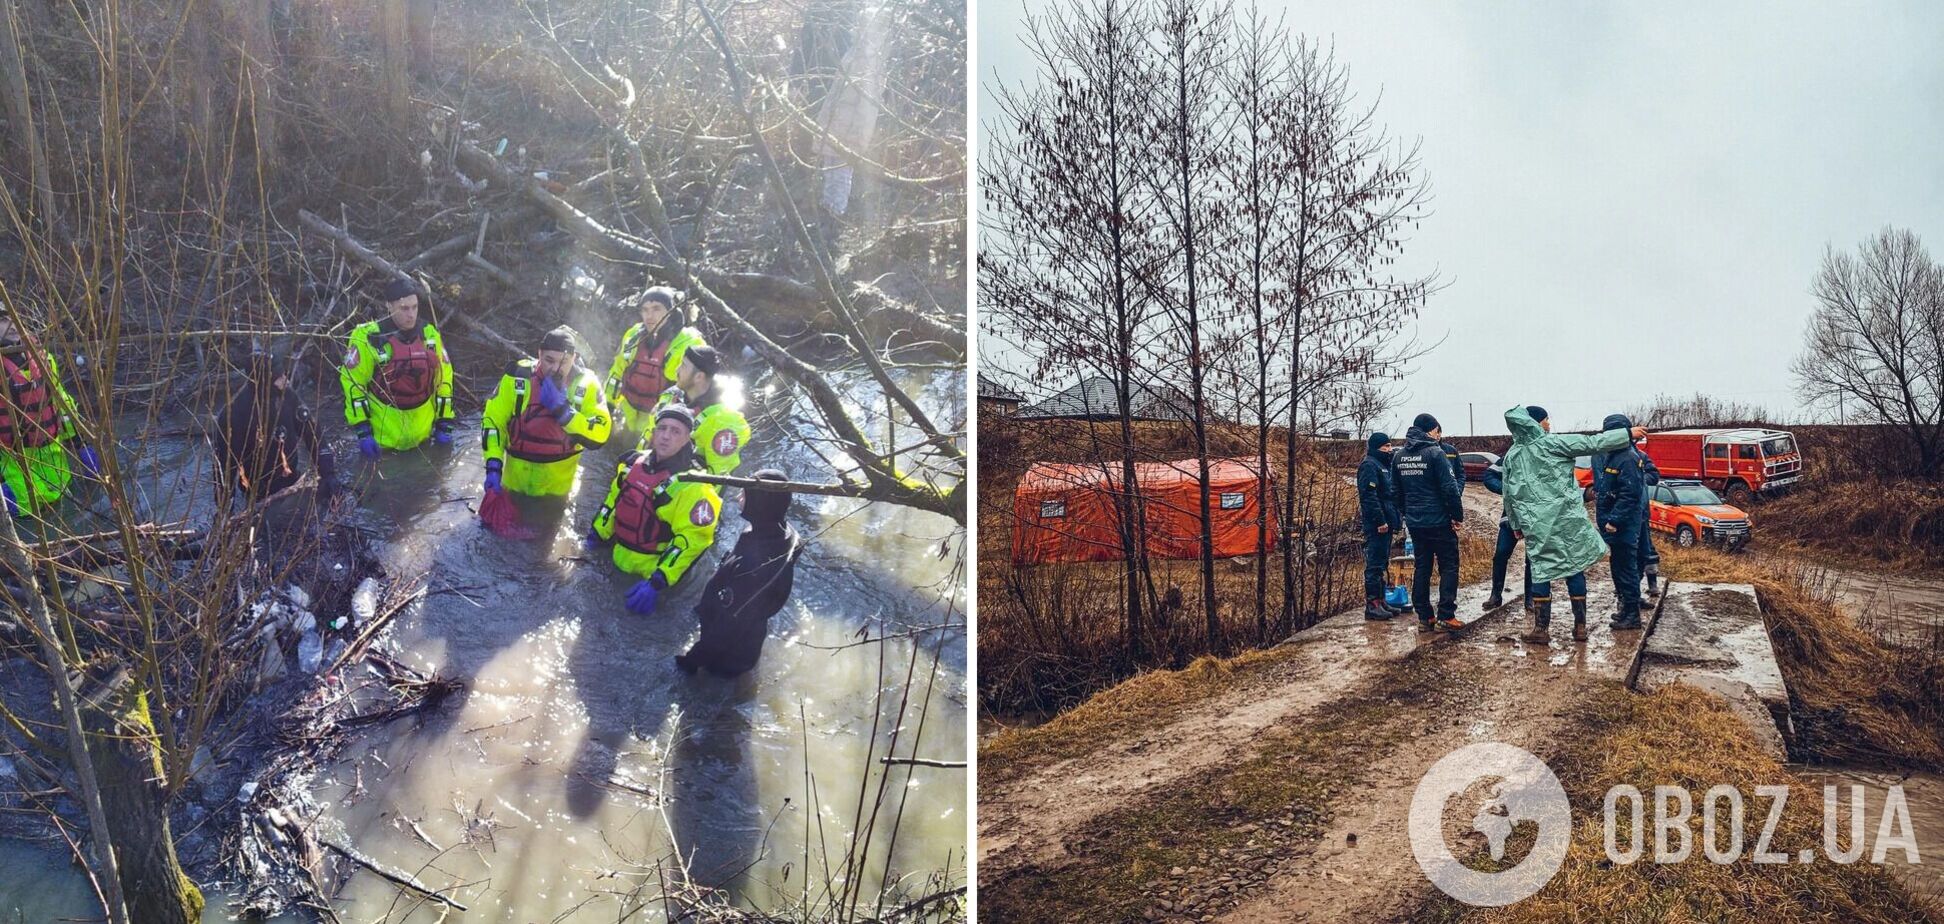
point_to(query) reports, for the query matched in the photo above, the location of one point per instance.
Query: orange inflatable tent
(1066, 512)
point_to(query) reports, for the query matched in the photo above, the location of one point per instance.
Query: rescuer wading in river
(541, 416)
(649, 360)
(36, 426)
(397, 378)
(659, 522)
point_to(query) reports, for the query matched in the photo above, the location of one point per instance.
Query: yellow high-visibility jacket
(721, 430)
(687, 511)
(588, 427)
(392, 427)
(633, 344)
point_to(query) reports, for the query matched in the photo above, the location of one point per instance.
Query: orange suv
(1694, 513)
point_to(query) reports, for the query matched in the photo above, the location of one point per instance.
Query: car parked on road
(1694, 514)
(1476, 463)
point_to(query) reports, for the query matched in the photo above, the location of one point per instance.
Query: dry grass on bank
(1856, 698)
(1683, 737)
(1897, 523)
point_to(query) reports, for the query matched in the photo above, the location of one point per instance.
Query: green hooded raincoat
(1544, 502)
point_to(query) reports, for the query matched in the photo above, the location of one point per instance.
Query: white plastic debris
(246, 792)
(332, 653)
(364, 601)
(298, 597)
(271, 665)
(304, 621)
(310, 652)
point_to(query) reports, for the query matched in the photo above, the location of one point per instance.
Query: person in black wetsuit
(749, 587)
(258, 433)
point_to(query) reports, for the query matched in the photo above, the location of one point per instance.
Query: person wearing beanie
(1429, 503)
(721, 430)
(36, 424)
(1377, 508)
(397, 378)
(749, 587)
(1620, 508)
(649, 359)
(1647, 556)
(1543, 502)
(659, 522)
(543, 413)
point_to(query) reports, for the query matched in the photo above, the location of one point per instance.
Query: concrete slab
(1712, 636)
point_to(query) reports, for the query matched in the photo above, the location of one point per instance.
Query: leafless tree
(1191, 48)
(1069, 244)
(1355, 196)
(1876, 341)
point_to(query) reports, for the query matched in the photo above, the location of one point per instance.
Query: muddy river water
(580, 765)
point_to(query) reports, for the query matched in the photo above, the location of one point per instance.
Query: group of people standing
(666, 386)
(1419, 487)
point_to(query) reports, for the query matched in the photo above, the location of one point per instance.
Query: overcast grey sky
(1628, 199)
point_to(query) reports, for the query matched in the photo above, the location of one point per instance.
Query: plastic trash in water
(246, 792)
(310, 652)
(364, 603)
(298, 597)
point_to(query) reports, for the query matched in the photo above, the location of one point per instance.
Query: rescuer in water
(721, 430)
(658, 521)
(543, 414)
(264, 427)
(649, 360)
(397, 378)
(36, 426)
(749, 587)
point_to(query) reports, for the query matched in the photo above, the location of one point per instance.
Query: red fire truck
(1739, 463)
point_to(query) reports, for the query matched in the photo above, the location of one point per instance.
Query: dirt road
(1375, 704)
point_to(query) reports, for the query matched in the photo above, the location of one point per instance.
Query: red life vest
(536, 434)
(636, 526)
(646, 378)
(28, 417)
(408, 379)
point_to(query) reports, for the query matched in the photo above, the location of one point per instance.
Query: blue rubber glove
(641, 599)
(90, 461)
(367, 446)
(13, 506)
(552, 396)
(592, 541)
(442, 433)
(492, 474)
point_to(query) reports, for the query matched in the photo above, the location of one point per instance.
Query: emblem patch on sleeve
(725, 443)
(701, 515)
(351, 356)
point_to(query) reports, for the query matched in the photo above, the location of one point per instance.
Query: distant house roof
(993, 391)
(1093, 399)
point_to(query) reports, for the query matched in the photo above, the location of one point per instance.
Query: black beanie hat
(1616, 422)
(662, 294)
(1425, 422)
(1377, 439)
(399, 288)
(1538, 413)
(561, 338)
(705, 358)
(766, 507)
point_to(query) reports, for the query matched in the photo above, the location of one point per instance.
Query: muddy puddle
(581, 767)
(1924, 794)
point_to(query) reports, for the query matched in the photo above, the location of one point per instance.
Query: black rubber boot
(1375, 610)
(1426, 623)
(1541, 622)
(1625, 620)
(1579, 619)
(1653, 582)
(1496, 600)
